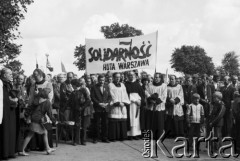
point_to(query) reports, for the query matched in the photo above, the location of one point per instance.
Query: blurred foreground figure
(8, 119)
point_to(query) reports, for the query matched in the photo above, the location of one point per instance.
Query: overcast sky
(57, 26)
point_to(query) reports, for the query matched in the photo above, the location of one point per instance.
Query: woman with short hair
(40, 96)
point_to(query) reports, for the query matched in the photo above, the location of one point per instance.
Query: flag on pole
(166, 79)
(48, 65)
(63, 68)
(36, 64)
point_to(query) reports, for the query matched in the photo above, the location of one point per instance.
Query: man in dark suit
(65, 92)
(188, 91)
(228, 93)
(101, 98)
(205, 92)
(216, 86)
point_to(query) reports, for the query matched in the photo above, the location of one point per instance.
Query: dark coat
(79, 100)
(227, 93)
(216, 116)
(208, 94)
(98, 97)
(8, 126)
(205, 98)
(56, 96)
(188, 91)
(65, 94)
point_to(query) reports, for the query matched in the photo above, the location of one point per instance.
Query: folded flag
(63, 68)
(50, 68)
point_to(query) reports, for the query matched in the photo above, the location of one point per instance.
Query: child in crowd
(216, 119)
(195, 117)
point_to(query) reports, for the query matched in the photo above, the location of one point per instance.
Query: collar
(17, 86)
(157, 84)
(227, 85)
(98, 84)
(131, 81)
(41, 82)
(117, 84)
(170, 85)
(134, 80)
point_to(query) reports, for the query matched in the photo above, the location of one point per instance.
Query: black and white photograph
(119, 80)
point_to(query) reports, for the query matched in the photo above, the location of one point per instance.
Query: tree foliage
(117, 31)
(79, 53)
(11, 13)
(112, 31)
(230, 63)
(192, 60)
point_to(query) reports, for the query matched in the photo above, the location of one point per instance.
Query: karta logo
(150, 146)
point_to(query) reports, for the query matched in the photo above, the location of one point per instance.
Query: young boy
(216, 119)
(195, 117)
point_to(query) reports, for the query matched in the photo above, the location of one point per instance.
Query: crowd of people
(113, 107)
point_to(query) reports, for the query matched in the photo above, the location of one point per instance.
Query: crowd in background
(113, 107)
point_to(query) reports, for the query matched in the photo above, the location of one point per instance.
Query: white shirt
(195, 112)
(162, 94)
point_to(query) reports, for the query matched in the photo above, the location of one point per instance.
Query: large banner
(121, 54)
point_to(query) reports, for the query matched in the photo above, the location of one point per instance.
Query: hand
(152, 101)
(13, 99)
(172, 101)
(105, 105)
(189, 125)
(101, 104)
(138, 103)
(36, 91)
(210, 124)
(205, 101)
(28, 121)
(56, 122)
(22, 115)
(122, 104)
